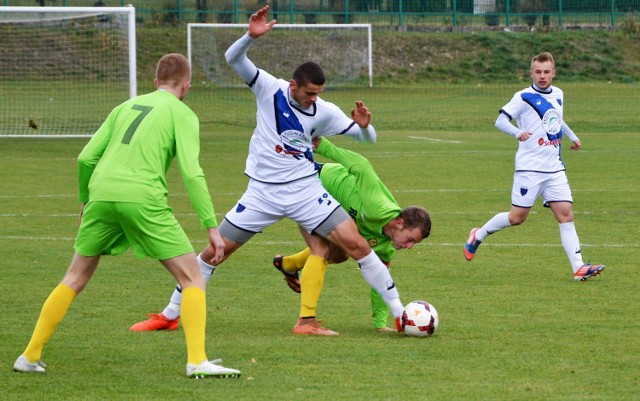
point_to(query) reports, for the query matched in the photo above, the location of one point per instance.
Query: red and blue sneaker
(587, 270)
(472, 245)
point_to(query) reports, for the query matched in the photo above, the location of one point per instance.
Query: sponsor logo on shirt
(551, 142)
(295, 143)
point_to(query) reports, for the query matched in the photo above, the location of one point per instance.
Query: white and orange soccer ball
(419, 319)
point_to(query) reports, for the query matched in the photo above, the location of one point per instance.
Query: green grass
(514, 325)
(401, 57)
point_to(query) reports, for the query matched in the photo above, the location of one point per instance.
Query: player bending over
(380, 220)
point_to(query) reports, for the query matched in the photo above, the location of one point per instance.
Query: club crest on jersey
(552, 124)
(523, 191)
(552, 121)
(372, 242)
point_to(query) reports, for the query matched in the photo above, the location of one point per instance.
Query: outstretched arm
(258, 24)
(236, 54)
(361, 114)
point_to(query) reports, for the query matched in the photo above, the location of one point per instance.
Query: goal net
(62, 69)
(342, 50)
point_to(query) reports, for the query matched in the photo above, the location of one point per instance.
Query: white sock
(206, 269)
(498, 222)
(172, 311)
(571, 244)
(377, 275)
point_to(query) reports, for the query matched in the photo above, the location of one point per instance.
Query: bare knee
(563, 211)
(80, 272)
(518, 215)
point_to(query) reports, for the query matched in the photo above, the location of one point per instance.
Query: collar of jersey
(293, 103)
(546, 92)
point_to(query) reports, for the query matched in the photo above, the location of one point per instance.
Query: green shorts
(110, 228)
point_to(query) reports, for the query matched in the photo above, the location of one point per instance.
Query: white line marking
(423, 244)
(432, 139)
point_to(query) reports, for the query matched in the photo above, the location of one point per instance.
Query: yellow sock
(193, 312)
(53, 311)
(295, 262)
(311, 282)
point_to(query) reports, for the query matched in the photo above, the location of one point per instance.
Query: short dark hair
(308, 72)
(417, 217)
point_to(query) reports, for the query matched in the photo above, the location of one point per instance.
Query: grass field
(514, 325)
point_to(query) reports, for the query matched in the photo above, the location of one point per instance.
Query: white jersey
(540, 114)
(280, 150)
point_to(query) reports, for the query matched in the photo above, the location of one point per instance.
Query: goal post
(62, 69)
(344, 51)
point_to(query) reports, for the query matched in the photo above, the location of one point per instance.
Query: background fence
(400, 14)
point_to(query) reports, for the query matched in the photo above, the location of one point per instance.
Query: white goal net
(62, 69)
(342, 50)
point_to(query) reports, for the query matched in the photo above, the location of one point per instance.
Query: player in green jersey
(123, 192)
(380, 220)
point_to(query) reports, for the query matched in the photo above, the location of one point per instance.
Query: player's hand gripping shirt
(539, 113)
(355, 184)
(127, 158)
(280, 149)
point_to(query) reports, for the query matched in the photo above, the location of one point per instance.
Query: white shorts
(305, 201)
(528, 186)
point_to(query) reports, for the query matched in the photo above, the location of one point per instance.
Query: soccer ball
(419, 319)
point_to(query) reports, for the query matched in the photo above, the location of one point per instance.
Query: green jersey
(355, 184)
(126, 160)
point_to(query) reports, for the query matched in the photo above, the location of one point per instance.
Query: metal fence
(395, 14)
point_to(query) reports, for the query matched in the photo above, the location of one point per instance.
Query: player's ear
(399, 222)
(293, 84)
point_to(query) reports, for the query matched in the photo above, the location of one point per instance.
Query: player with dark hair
(283, 180)
(123, 192)
(380, 220)
(540, 171)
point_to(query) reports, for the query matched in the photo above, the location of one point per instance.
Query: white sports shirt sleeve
(280, 149)
(539, 113)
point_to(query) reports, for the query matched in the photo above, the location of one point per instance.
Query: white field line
(75, 196)
(454, 213)
(424, 138)
(394, 190)
(273, 243)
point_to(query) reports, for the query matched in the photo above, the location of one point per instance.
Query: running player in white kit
(540, 170)
(283, 179)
